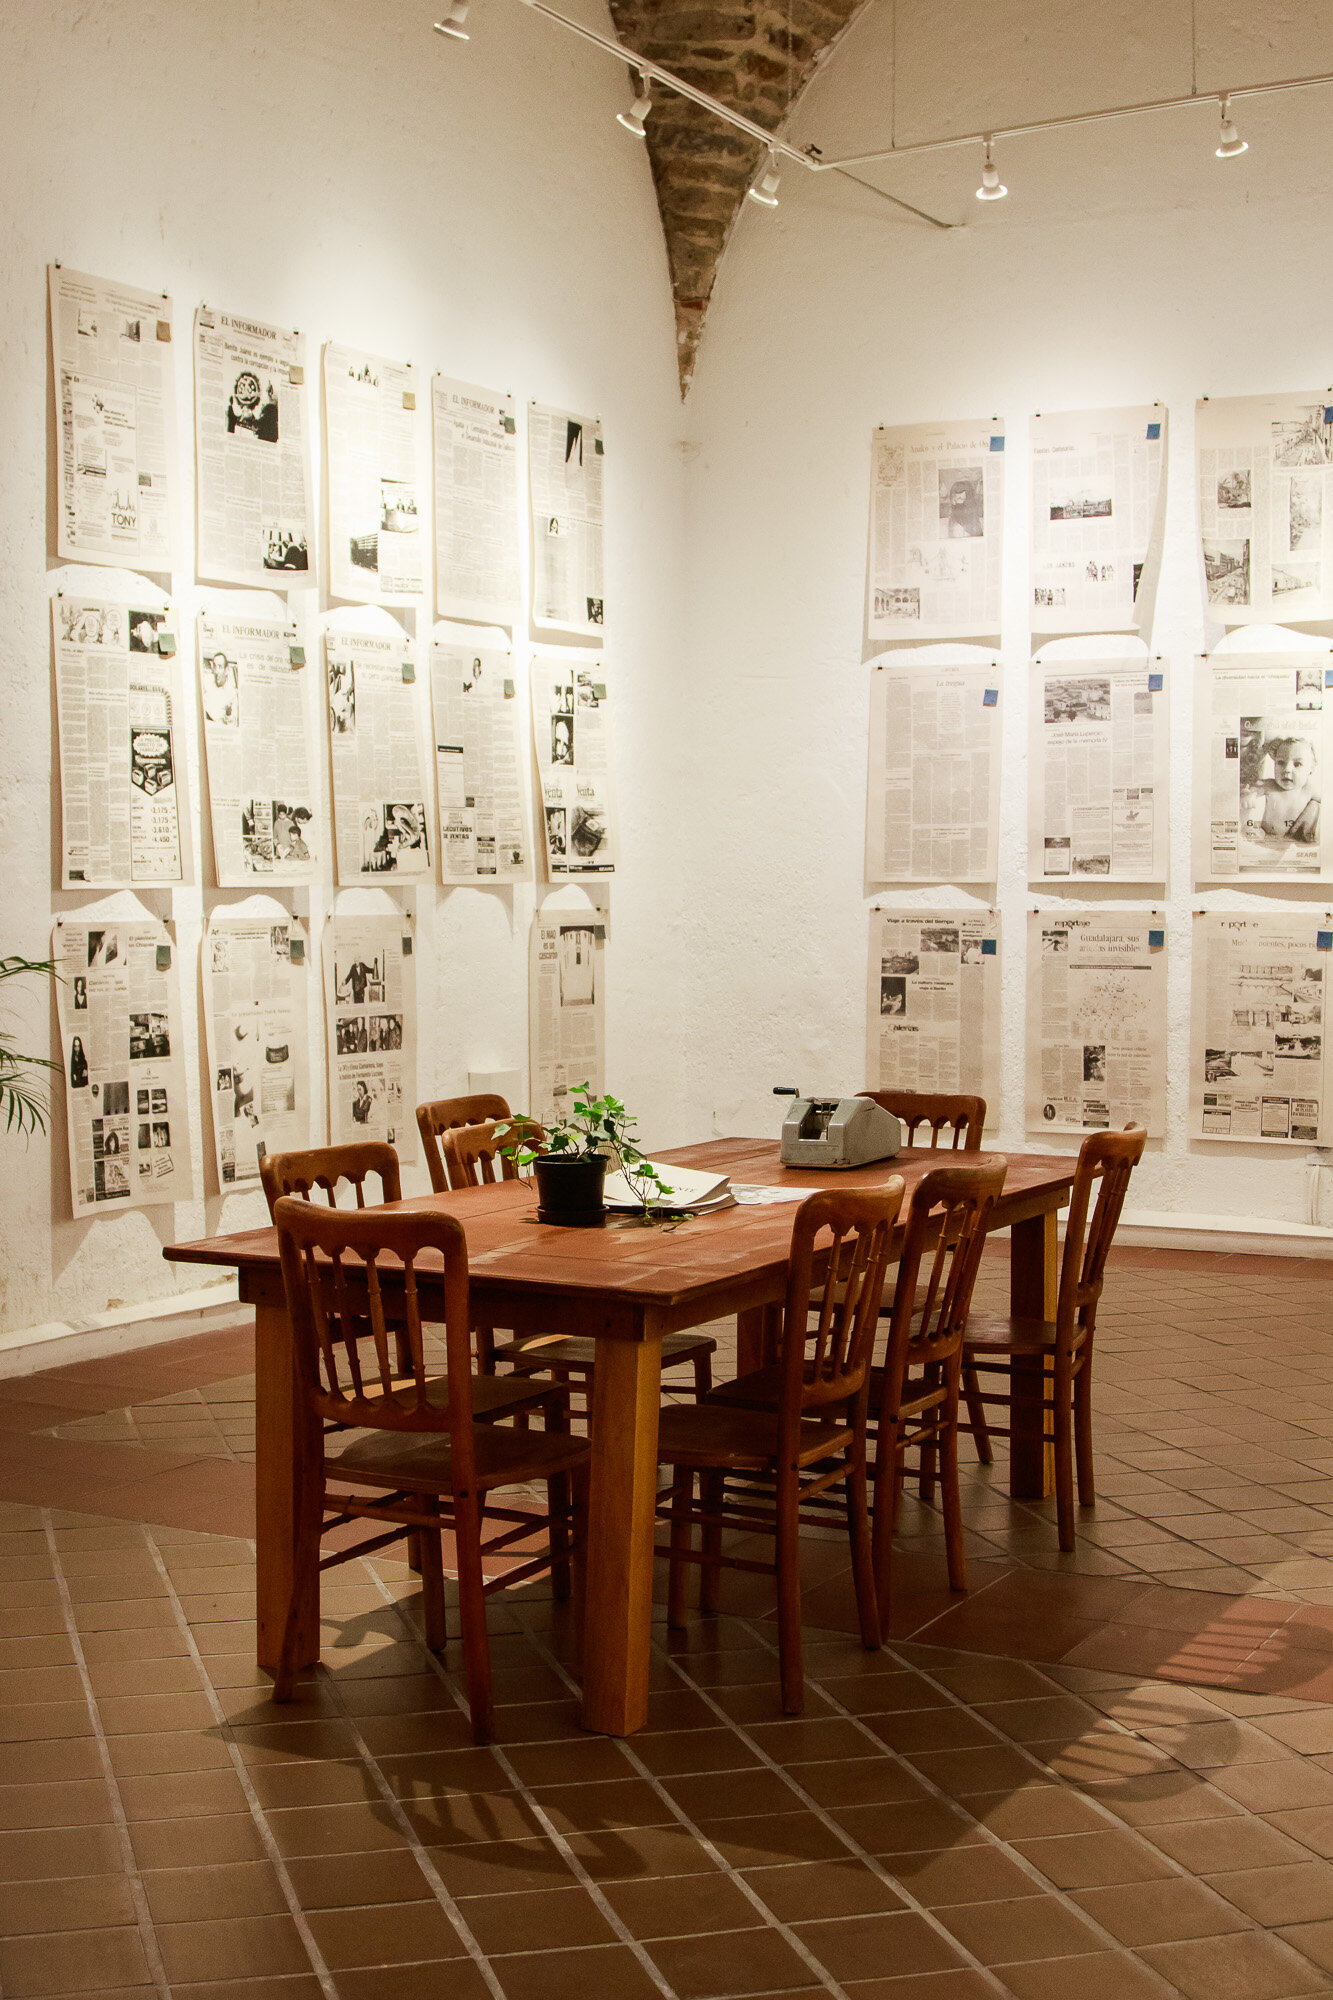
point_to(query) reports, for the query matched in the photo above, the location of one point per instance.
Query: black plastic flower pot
(569, 1190)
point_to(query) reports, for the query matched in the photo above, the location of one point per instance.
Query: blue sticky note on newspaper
(1328, 413)
(1328, 677)
(1154, 430)
(991, 698)
(997, 443)
(1154, 683)
(988, 947)
(1156, 939)
(1323, 940)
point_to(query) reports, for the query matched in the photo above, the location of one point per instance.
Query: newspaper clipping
(479, 763)
(1261, 744)
(115, 393)
(1259, 1065)
(934, 778)
(370, 1005)
(379, 771)
(118, 1001)
(1096, 1022)
(376, 547)
(565, 465)
(566, 1008)
(255, 1021)
(1097, 771)
(252, 448)
(1266, 506)
(933, 1002)
(477, 573)
(119, 745)
(1097, 491)
(571, 729)
(257, 743)
(936, 530)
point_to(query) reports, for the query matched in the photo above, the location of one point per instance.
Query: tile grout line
(678, 1812)
(551, 1831)
(138, 1894)
(265, 1832)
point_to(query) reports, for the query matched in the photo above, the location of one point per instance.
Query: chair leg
(703, 1376)
(472, 1616)
(682, 1496)
(790, 1664)
(1062, 1423)
(950, 1499)
(976, 1413)
(1087, 1484)
(557, 1516)
(433, 1610)
(712, 1495)
(863, 1561)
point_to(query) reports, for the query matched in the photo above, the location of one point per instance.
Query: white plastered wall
(472, 208)
(1128, 264)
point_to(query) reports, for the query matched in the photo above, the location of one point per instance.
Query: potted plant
(21, 1098)
(572, 1156)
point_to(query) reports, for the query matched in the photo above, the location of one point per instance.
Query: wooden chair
(427, 1463)
(965, 1117)
(1062, 1346)
(812, 1440)
(470, 1156)
(445, 1115)
(330, 1167)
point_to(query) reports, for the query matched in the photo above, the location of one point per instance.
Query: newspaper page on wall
(115, 391)
(571, 726)
(255, 1015)
(565, 465)
(252, 450)
(120, 746)
(477, 570)
(1097, 491)
(370, 1006)
(1097, 770)
(933, 1002)
(261, 787)
(376, 546)
(1259, 1059)
(1266, 506)
(936, 530)
(1096, 1021)
(566, 1008)
(118, 1002)
(479, 744)
(379, 770)
(1262, 741)
(934, 774)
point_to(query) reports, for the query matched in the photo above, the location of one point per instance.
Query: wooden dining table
(627, 1286)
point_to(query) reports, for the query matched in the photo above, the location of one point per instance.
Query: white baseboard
(1250, 1235)
(26, 1350)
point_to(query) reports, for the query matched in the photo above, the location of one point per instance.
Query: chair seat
(405, 1460)
(704, 1434)
(492, 1395)
(571, 1350)
(993, 1333)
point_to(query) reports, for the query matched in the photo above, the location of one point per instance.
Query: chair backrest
(947, 1221)
(964, 1117)
(351, 1279)
(326, 1168)
(828, 1332)
(443, 1116)
(1105, 1162)
(472, 1152)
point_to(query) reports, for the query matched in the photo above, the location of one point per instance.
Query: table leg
(287, 1448)
(757, 1330)
(627, 1390)
(1034, 1276)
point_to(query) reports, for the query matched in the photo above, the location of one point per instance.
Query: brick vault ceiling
(755, 58)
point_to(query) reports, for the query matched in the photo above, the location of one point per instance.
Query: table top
(508, 1249)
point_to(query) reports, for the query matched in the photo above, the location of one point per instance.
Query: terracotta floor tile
(908, 1828)
(739, 1962)
(51, 1760)
(294, 1986)
(1103, 1975)
(195, 1843)
(804, 1893)
(1268, 1788)
(1009, 1932)
(193, 1895)
(1291, 1893)
(385, 1934)
(1161, 1912)
(231, 1948)
(776, 1837)
(339, 1829)
(87, 1902)
(1209, 1846)
(948, 1876)
(539, 1920)
(1250, 1967)
(160, 1755)
(1094, 1860)
(444, 1979)
(1033, 1810)
(484, 1868)
(72, 1962)
(652, 1850)
(869, 1947)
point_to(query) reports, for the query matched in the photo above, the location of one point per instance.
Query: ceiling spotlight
(764, 187)
(1230, 142)
(992, 188)
(632, 120)
(452, 24)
